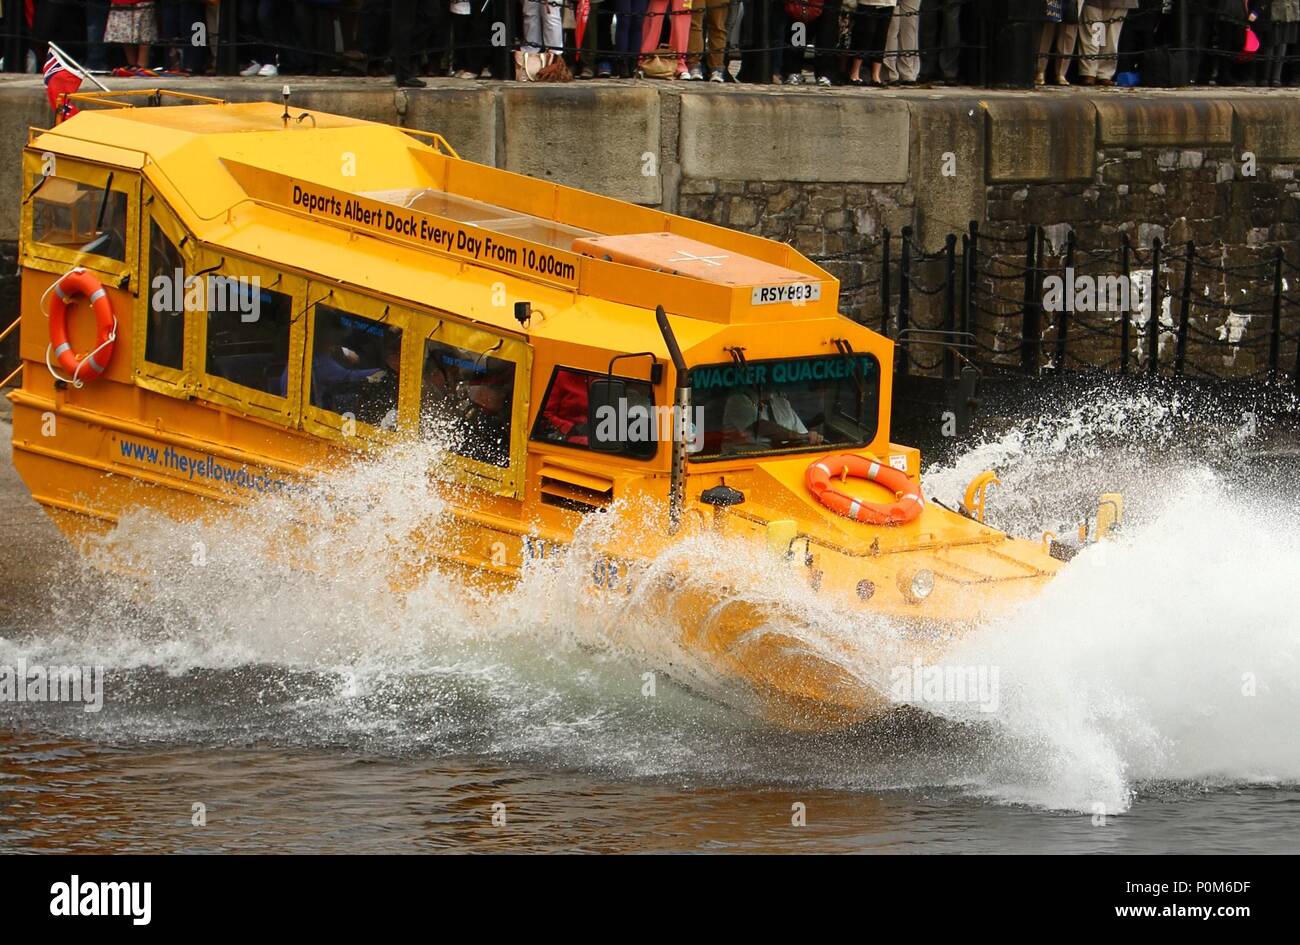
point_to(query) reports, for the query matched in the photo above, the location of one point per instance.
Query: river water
(261, 699)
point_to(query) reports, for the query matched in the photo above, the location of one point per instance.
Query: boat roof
(396, 211)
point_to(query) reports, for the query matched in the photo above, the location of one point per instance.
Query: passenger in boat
(564, 415)
(758, 419)
(333, 366)
(376, 400)
(486, 418)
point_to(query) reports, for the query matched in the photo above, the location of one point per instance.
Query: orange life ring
(906, 508)
(80, 283)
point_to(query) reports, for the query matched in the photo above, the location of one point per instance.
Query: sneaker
(250, 69)
(824, 81)
(716, 76)
(794, 78)
(465, 74)
(268, 71)
(697, 74)
(684, 75)
(410, 82)
(604, 71)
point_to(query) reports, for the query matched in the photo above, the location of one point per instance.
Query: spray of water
(321, 618)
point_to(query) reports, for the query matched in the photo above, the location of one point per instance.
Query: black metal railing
(1020, 302)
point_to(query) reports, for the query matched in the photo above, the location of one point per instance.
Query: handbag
(803, 11)
(1250, 47)
(540, 67)
(661, 65)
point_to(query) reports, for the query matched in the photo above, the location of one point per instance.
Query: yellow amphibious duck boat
(219, 300)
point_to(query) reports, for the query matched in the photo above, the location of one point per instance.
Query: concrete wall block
(948, 166)
(827, 139)
(1152, 122)
(467, 118)
(602, 139)
(1268, 127)
(1040, 139)
(22, 108)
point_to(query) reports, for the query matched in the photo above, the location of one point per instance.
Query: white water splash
(1132, 668)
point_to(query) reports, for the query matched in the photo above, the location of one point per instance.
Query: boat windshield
(789, 405)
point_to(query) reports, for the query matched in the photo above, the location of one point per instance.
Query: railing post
(1126, 321)
(1275, 329)
(884, 283)
(1156, 304)
(1184, 310)
(904, 302)
(963, 306)
(504, 67)
(1031, 325)
(969, 280)
(1063, 316)
(950, 304)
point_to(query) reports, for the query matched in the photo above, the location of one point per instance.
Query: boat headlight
(916, 584)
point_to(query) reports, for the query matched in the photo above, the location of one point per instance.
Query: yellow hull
(86, 485)
(264, 270)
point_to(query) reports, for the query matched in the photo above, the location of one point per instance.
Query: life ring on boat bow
(80, 283)
(908, 500)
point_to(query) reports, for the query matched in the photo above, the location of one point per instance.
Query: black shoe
(410, 82)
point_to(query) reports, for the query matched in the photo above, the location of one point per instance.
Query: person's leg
(1092, 28)
(715, 18)
(1066, 35)
(266, 27)
(652, 25)
(890, 69)
(928, 38)
(400, 31)
(1045, 36)
(827, 41)
(595, 41)
(553, 25)
(695, 44)
(1106, 68)
(679, 32)
(879, 29)
(909, 40)
(859, 41)
(950, 55)
(96, 20)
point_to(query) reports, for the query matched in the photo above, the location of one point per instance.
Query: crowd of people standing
(819, 42)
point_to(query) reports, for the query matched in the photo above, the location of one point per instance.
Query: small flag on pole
(60, 82)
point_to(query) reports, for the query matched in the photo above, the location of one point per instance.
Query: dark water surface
(1149, 705)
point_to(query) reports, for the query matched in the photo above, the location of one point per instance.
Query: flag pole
(77, 67)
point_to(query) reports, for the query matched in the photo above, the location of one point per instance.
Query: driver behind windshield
(762, 418)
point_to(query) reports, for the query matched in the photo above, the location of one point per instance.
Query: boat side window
(165, 330)
(355, 366)
(84, 218)
(466, 399)
(248, 333)
(563, 417)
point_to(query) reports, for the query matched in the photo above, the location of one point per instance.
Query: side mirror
(606, 401)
